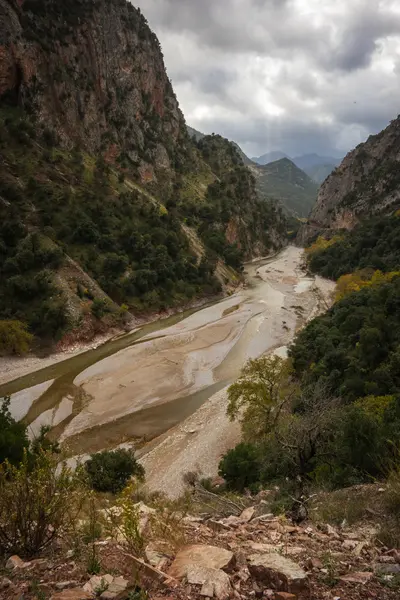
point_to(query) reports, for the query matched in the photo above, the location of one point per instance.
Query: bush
(240, 467)
(110, 471)
(13, 438)
(44, 500)
(14, 338)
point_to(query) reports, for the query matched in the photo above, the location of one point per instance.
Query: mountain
(366, 183)
(199, 136)
(290, 186)
(269, 157)
(194, 133)
(320, 172)
(108, 210)
(309, 161)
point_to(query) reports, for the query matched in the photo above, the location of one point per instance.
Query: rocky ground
(249, 554)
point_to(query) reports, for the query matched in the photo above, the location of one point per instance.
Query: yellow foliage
(375, 406)
(353, 282)
(322, 244)
(162, 210)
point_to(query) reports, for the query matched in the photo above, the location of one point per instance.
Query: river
(144, 385)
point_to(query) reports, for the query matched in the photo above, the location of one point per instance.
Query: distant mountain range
(317, 167)
(282, 179)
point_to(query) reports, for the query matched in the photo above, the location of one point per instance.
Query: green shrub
(110, 471)
(13, 437)
(14, 338)
(240, 467)
(44, 500)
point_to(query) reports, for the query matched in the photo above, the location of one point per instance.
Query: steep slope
(284, 182)
(309, 161)
(366, 183)
(319, 173)
(197, 135)
(97, 168)
(194, 133)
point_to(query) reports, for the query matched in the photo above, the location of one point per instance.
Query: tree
(259, 395)
(13, 438)
(110, 471)
(240, 467)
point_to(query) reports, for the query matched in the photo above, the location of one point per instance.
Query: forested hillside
(108, 209)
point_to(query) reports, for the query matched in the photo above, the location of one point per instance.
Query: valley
(140, 385)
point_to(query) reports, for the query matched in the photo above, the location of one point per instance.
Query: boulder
(154, 557)
(314, 563)
(72, 594)
(215, 583)
(14, 562)
(202, 556)
(278, 572)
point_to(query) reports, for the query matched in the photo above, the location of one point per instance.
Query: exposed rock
(202, 556)
(349, 544)
(98, 582)
(215, 582)
(72, 594)
(314, 563)
(154, 557)
(284, 596)
(63, 585)
(278, 572)
(14, 562)
(357, 577)
(364, 184)
(247, 514)
(5, 583)
(387, 569)
(217, 525)
(119, 584)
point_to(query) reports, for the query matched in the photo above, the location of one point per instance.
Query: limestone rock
(14, 562)
(357, 577)
(215, 583)
(278, 572)
(98, 582)
(202, 556)
(119, 584)
(247, 514)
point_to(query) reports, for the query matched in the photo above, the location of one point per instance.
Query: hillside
(319, 173)
(282, 181)
(99, 177)
(366, 183)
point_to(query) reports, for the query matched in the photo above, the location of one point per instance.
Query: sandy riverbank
(198, 443)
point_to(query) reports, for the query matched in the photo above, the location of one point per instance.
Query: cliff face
(92, 72)
(366, 183)
(102, 191)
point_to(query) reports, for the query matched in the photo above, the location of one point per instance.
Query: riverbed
(161, 387)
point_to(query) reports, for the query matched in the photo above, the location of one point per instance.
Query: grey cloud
(295, 75)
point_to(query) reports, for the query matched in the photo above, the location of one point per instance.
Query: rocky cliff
(366, 183)
(100, 178)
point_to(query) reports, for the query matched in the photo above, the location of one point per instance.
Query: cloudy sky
(294, 75)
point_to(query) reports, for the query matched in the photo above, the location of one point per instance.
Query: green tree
(240, 467)
(110, 471)
(259, 395)
(13, 438)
